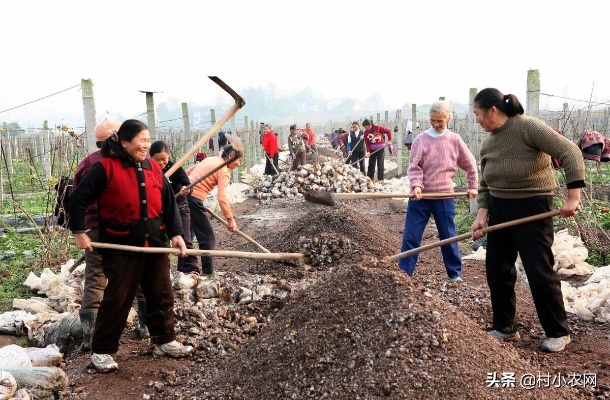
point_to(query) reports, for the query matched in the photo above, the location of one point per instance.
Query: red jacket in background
(311, 136)
(270, 145)
(374, 137)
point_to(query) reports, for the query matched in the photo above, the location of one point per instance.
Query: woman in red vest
(136, 207)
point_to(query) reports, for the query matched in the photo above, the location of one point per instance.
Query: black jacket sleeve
(179, 180)
(171, 214)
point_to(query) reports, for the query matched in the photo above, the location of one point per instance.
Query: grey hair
(441, 107)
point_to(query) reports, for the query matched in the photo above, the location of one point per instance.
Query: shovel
(465, 236)
(330, 198)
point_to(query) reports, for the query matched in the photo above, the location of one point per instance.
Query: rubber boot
(141, 309)
(87, 322)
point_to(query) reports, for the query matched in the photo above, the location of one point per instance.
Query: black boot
(87, 322)
(141, 328)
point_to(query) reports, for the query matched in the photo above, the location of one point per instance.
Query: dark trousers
(204, 232)
(357, 160)
(95, 280)
(125, 271)
(269, 170)
(418, 215)
(532, 241)
(189, 263)
(376, 159)
(298, 160)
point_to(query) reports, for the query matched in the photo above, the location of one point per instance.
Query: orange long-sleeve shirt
(220, 178)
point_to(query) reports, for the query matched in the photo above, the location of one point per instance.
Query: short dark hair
(366, 122)
(158, 147)
(227, 152)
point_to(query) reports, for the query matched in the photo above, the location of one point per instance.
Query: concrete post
(8, 153)
(414, 117)
(215, 137)
(150, 115)
(188, 137)
(474, 143)
(46, 149)
(1, 176)
(16, 148)
(474, 136)
(399, 143)
(246, 159)
(533, 93)
(89, 110)
(564, 120)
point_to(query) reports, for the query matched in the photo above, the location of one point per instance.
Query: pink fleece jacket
(434, 162)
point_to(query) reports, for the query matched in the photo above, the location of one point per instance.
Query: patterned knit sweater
(434, 162)
(515, 161)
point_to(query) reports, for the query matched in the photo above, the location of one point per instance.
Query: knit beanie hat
(591, 144)
(104, 129)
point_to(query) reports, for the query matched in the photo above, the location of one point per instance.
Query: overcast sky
(408, 51)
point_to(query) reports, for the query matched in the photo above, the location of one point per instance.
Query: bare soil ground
(358, 329)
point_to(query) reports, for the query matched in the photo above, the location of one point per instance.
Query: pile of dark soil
(372, 332)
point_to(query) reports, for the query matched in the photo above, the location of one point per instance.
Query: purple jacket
(81, 171)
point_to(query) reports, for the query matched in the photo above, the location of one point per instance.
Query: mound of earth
(371, 332)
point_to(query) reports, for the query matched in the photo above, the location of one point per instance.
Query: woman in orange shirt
(202, 227)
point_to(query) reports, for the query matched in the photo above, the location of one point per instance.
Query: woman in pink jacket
(436, 155)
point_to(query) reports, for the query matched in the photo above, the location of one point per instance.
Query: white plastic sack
(8, 385)
(12, 356)
(49, 356)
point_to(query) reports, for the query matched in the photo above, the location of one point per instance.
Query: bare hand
(572, 204)
(479, 223)
(83, 241)
(367, 154)
(185, 191)
(178, 243)
(417, 195)
(472, 193)
(232, 225)
(569, 208)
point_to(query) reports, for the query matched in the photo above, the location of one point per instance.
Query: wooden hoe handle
(465, 236)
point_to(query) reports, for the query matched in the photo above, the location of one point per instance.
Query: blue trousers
(418, 215)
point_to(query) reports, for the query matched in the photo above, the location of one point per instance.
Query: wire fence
(33, 160)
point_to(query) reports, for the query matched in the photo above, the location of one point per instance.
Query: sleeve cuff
(576, 184)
